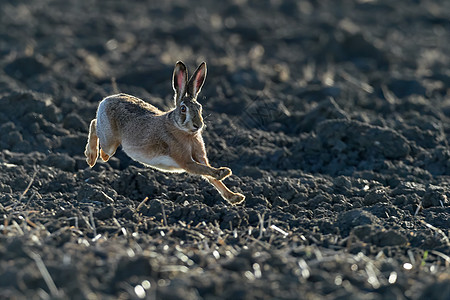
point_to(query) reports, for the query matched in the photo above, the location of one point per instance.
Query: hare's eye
(183, 108)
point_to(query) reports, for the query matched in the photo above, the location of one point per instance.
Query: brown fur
(169, 141)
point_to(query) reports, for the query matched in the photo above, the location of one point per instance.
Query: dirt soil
(333, 115)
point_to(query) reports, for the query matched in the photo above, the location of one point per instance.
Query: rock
(74, 143)
(326, 110)
(134, 266)
(105, 213)
(389, 238)
(92, 193)
(363, 232)
(435, 196)
(13, 138)
(352, 218)
(279, 202)
(406, 87)
(7, 127)
(256, 201)
(20, 103)
(23, 68)
(375, 196)
(253, 172)
(408, 187)
(75, 122)
(363, 137)
(319, 200)
(61, 161)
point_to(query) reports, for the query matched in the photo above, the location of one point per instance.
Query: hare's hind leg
(91, 151)
(108, 143)
(109, 151)
(103, 155)
(108, 137)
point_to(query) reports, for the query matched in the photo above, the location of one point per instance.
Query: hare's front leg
(195, 167)
(232, 197)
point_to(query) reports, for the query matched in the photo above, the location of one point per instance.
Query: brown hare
(169, 141)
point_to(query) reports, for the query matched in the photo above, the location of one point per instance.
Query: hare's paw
(222, 173)
(237, 198)
(91, 157)
(103, 155)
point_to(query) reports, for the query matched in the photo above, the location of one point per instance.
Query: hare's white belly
(162, 162)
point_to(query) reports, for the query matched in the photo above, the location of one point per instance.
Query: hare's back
(123, 104)
(122, 109)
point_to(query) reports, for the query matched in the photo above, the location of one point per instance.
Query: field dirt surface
(333, 115)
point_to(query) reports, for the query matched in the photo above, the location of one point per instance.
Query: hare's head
(188, 112)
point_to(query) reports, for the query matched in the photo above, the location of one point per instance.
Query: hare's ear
(179, 81)
(196, 82)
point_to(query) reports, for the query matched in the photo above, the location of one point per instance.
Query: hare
(170, 141)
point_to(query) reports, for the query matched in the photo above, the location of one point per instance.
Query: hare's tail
(91, 151)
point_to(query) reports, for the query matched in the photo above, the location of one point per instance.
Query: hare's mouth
(196, 127)
(191, 128)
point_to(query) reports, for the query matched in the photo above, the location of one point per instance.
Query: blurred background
(51, 46)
